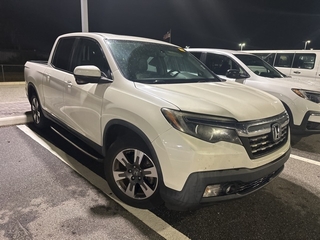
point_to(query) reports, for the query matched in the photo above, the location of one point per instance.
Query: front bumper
(309, 125)
(247, 180)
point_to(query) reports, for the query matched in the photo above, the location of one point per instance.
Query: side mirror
(233, 73)
(90, 74)
(87, 74)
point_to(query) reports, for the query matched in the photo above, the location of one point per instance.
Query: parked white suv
(166, 128)
(302, 64)
(300, 98)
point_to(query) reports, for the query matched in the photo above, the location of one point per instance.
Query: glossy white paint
(302, 73)
(89, 107)
(278, 87)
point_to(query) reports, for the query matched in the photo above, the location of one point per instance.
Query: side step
(76, 142)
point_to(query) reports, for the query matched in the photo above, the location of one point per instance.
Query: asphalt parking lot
(43, 198)
(49, 190)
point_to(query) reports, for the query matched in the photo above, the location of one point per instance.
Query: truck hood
(224, 99)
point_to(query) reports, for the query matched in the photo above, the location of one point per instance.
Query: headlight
(204, 127)
(312, 96)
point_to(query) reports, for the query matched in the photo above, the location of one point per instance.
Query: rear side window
(284, 60)
(62, 55)
(304, 60)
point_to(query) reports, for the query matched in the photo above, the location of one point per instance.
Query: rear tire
(132, 174)
(39, 119)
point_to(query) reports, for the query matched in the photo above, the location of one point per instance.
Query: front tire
(39, 119)
(132, 174)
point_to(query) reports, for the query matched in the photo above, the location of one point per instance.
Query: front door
(83, 103)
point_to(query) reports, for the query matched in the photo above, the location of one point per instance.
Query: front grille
(262, 139)
(264, 144)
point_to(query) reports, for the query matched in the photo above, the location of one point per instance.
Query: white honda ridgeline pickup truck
(166, 128)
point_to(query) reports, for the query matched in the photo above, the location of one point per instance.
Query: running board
(82, 148)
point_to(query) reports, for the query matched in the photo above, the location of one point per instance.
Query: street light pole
(241, 45)
(84, 15)
(305, 44)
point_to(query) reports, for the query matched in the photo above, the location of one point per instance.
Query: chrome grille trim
(260, 139)
(249, 129)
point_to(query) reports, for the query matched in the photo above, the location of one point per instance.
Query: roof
(213, 50)
(114, 36)
(284, 51)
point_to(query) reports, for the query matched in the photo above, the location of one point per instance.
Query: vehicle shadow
(309, 144)
(282, 210)
(101, 207)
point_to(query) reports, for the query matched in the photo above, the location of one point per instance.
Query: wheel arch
(32, 90)
(117, 128)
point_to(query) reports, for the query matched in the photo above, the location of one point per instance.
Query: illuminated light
(212, 190)
(306, 43)
(241, 46)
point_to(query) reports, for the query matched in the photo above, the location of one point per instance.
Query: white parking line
(150, 219)
(305, 159)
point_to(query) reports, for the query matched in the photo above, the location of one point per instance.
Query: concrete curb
(16, 120)
(12, 83)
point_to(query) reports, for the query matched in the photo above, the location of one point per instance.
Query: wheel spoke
(122, 159)
(151, 172)
(38, 116)
(35, 110)
(118, 176)
(138, 155)
(146, 190)
(130, 190)
(35, 104)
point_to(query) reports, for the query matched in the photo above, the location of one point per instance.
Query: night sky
(261, 24)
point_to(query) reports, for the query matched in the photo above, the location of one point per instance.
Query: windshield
(156, 63)
(259, 67)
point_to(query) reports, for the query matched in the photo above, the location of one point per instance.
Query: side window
(217, 63)
(62, 55)
(284, 60)
(88, 52)
(220, 64)
(304, 60)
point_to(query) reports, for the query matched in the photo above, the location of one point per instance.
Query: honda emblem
(276, 131)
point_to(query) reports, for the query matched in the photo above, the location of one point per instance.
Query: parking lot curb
(16, 120)
(12, 83)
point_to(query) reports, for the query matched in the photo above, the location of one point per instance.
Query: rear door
(304, 66)
(54, 84)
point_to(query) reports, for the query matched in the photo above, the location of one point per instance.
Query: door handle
(297, 72)
(69, 83)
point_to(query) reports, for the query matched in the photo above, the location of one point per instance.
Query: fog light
(212, 190)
